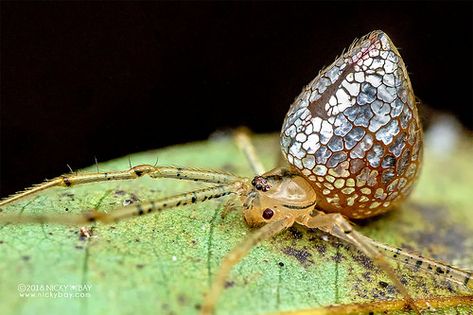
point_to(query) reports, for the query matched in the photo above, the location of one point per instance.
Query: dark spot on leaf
(26, 258)
(79, 247)
(364, 261)
(68, 194)
(360, 288)
(407, 307)
(182, 299)
(296, 233)
(229, 284)
(120, 192)
(403, 280)
(165, 307)
(391, 289)
(281, 264)
(140, 266)
(337, 257)
(449, 287)
(301, 255)
(131, 199)
(1, 242)
(321, 248)
(440, 232)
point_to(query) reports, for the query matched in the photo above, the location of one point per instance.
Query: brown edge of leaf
(383, 306)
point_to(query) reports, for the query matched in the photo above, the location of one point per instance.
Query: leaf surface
(165, 263)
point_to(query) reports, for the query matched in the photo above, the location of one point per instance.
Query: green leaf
(165, 263)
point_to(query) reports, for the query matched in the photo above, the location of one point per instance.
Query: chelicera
(353, 145)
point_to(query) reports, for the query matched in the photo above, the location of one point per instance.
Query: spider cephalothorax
(276, 194)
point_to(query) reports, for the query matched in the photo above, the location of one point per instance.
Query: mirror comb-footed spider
(353, 141)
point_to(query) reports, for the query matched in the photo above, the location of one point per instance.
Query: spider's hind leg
(436, 268)
(243, 141)
(336, 225)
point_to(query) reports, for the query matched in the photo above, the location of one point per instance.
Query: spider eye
(258, 186)
(268, 214)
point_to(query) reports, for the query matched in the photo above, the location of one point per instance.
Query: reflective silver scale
(354, 131)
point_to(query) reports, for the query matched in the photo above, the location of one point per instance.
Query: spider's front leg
(232, 258)
(69, 180)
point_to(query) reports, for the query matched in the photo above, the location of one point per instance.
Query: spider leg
(68, 180)
(448, 272)
(437, 268)
(243, 141)
(138, 209)
(235, 256)
(336, 225)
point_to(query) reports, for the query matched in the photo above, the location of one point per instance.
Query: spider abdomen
(354, 131)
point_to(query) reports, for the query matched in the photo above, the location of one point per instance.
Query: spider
(352, 141)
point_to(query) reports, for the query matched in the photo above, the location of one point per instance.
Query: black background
(84, 80)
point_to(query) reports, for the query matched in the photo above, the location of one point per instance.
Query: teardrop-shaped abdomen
(354, 131)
